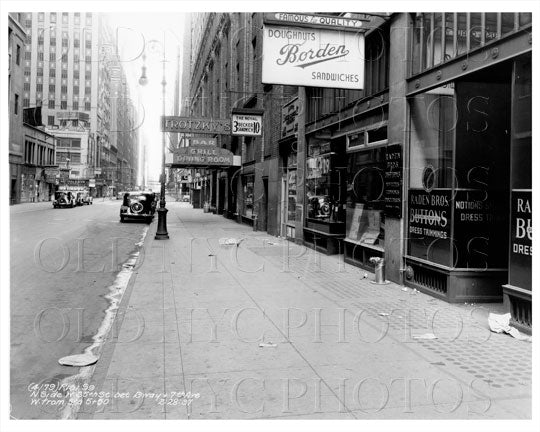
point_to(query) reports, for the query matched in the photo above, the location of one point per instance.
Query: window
(53, 17)
(52, 57)
(76, 143)
(64, 73)
(26, 72)
(75, 158)
(64, 18)
(52, 73)
(87, 106)
(87, 75)
(28, 55)
(65, 43)
(39, 87)
(51, 104)
(41, 17)
(63, 105)
(63, 89)
(76, 74)
(26, 86)
(88, 19)
(76, 42)
(50, 120)
(52, 88)
(87, 90)
(52, 41)
(77, 18)
(16, 107)
(75, 105)
(39, 71)
(248, 183)
(75, 90)
(18, 56)
(40, 56)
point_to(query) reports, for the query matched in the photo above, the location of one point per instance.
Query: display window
(365, 196)
(291, 196)
(248, 182)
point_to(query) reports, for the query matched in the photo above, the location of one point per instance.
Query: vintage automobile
(83, 197)
(138, 205)
(64, 199)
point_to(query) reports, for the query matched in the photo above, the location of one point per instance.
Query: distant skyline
(135, 31)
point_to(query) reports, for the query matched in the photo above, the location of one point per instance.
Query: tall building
(67, 72)
(426, 165)
(16, 43)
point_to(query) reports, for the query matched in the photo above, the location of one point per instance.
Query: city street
(58, 288)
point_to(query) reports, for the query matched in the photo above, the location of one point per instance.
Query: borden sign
(313, 57)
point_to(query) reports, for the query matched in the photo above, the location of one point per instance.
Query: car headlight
(124, 208)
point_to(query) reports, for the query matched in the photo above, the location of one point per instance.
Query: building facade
(427, 167)
(68, 72)
(16, 43)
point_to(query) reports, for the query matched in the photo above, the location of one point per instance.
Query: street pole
(161, 232)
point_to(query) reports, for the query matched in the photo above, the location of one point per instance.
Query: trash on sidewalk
(501, 323)
(427, 336)
(230, 241)
(78, 360)
(405, 289)
(384, 314)
(267, 345)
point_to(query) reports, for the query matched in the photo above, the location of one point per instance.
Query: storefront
(468, 185)
(366, 165)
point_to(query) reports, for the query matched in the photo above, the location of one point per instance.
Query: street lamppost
(161, 232)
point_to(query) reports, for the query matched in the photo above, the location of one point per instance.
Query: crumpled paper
(501, 323)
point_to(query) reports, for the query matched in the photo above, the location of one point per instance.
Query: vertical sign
(393, 180)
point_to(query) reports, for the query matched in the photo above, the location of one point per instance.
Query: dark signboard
(521, 240)
(201, 156)
(429, 227)
(289, 117)
(393, 180)
(199, 125)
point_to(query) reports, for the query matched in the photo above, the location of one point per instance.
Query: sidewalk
(270, 329)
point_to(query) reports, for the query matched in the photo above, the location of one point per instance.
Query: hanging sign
(201, 156)
(313, 57)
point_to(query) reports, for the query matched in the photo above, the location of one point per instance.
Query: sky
(148, 32)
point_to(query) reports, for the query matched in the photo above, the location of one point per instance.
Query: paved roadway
(57, 295)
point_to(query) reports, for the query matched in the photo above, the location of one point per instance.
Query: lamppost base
(161, 232)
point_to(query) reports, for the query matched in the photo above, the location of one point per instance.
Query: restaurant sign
(201, 156)
(198, 125)
(313, 57)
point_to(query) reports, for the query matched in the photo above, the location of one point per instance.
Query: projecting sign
(313, 57)
(198, 125)
(246, 124)
(315, 20)
(201, 156)
(202, 141)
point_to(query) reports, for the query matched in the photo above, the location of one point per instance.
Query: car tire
(122, 219)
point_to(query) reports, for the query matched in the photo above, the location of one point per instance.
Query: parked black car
(138, 205)
(64, 199)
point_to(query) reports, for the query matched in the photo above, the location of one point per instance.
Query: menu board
(393, 179)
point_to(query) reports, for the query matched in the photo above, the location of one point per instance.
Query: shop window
(433, 116)
(248, 189)
(323, 184)
(291, 196)
(365, 196)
